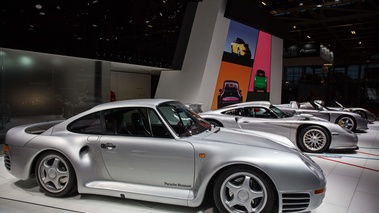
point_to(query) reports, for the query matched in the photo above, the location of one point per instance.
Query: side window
(261, 112)
(126, 121)
(134, 122)
(115, 122)
(238, 111)
(157, 127)
(137, 122)
(249, 112)
(89, 124)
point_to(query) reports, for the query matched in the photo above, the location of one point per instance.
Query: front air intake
(7, 162)
(295, 202)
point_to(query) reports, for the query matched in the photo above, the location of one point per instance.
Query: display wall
(197, 81)
(245, 71)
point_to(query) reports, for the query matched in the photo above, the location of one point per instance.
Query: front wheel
(55, 175)
(314, 139)
(241, 189)
(215, 123)
(347, 122)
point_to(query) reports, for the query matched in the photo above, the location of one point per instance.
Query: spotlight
(319, 3)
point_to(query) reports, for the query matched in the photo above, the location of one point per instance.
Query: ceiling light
(308, 37)
(38, 6)
(359, 42)
(264, 3)
(353, 32)
(294, 26)
(319, 3)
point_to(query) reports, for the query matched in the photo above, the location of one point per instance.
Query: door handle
(109, 146)
(245, 122)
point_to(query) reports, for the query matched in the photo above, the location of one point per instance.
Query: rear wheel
(314, 139)
(241, 189)
(347, 122)
(55, 175)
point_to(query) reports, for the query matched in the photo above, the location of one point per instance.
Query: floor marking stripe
(43, 205)
(343, 156)
(368, 147)
(349, 164)
(368, 153)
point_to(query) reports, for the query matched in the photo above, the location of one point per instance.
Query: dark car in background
(349, 120)
(366, 114)
(229, 94)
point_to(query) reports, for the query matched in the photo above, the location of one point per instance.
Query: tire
(347, 122)
(361, 113)
(215, 123)
(55, 175)
(241, 189)
(314, 139)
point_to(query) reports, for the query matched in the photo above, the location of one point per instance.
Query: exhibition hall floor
(352, 188)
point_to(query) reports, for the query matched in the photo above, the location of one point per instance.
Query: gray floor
(352, 188)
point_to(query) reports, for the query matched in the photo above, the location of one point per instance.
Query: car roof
(251, 103)
(131, 103)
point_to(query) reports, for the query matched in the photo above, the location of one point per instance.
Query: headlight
(313, 166)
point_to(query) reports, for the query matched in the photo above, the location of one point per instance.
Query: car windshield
(183, 120)
(318, 105)
(279, 112)
(336, 104)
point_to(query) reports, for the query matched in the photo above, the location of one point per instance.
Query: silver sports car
(309, 133)
(158, 150)
(349, 120)
(335, 105)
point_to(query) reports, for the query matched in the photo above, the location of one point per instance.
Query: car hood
(247, 137)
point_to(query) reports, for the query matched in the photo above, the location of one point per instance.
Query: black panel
(250, 13)
(128, 31)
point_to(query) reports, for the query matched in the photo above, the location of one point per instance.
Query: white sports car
(309, 133)
(366, 114)
(160, 151)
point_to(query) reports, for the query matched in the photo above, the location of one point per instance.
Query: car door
(263, 119)
(154, 159)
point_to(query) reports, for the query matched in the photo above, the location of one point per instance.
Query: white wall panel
(276, 70)
(130, 85)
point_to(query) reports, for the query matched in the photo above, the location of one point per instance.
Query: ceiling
(143, 32)
(332, 23)
(147, 32)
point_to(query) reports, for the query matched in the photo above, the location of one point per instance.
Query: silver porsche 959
(160, 151)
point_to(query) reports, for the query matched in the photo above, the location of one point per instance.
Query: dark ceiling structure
(144, 32)
(148, 32)
(349, 28)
